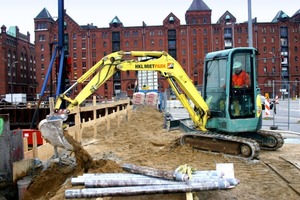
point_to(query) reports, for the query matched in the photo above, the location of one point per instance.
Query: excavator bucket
(52, 131)
(170, 123)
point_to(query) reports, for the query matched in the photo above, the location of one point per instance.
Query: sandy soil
(143, 141)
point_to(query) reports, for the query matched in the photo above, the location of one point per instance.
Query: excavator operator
(240, 78)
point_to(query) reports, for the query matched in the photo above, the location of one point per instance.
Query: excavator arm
(155, 61)
(159, 61)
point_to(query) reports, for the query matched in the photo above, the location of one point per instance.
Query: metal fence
(286, 113)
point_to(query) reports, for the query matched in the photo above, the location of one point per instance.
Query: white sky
(133, 12)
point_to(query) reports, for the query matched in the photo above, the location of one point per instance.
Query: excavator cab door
(242, 82)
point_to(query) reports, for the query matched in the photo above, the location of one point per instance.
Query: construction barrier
(267, 107)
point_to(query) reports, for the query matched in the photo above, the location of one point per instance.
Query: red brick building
(188, 42)
(17, 63)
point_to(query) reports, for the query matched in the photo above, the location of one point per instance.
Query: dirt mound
(45, 184)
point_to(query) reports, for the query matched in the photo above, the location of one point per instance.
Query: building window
(126, 44)
(182, 32)
(273, 69)
(126, 34)
(273, 59)
(42, 47)
(264, 40)
(135, 33)
(83, 45)
(297, 68)
(239, 40)
(160, 33)
(104, 35)
(41, 37)
(195, 51)
(265, 49)
(160, 43)
(135, 43)
(75, 75)
(74, 45)
(217, 41)
(194, 41)
(183, 42)
(104, 44)
(194, 32)
(183, 52)
(205, 31)
(194, 21)
(239, 30)
(272, 39)
(265, 60)
(265, 69)
(152, 33)
(41, 26)
(74, 36)
(284, 41)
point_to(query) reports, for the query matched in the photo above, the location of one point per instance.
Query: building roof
(115, 20)
(12, 31)
(44, 14)
(280, 15)
(298, 12)
(198, 5)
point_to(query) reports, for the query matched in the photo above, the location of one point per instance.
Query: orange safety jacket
(241, 80)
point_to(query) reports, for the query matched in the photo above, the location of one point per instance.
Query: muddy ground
(143, 141)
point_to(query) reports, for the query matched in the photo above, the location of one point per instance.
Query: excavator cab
(230, 90)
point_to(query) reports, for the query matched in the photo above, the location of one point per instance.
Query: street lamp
(11, 65)
(11, 84)
(275, 57)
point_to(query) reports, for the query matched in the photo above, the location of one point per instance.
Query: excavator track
(213, 142)
(271, 140)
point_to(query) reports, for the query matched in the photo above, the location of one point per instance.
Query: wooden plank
(35, 151)
(45, 152)
(189, 196)
(22, 168)
(25, 144)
